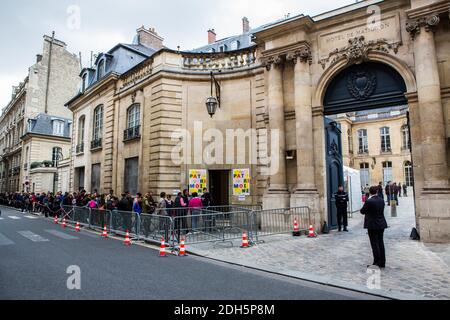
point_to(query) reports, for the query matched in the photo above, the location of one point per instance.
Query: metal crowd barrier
(214, 224)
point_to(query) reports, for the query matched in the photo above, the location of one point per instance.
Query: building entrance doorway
(219, 187)
(367, 130)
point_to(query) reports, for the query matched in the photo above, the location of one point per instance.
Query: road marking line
(61, 235)
(31, 217)
(4, 241)
(2, 218)
(14, 217)
(32, 236)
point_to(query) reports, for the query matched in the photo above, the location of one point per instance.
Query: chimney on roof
(211, 36)
(149, 38)
(245, 25)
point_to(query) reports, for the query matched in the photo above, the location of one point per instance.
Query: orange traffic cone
(182, 249)
(105, 233)
(77, 228)
(127, 241)
(312, 233)
(244, 240)
(162, 251)
(296, 232)
(56, 220)
(64, 224)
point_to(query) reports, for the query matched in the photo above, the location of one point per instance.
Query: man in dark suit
(341, 198)
(375, 223)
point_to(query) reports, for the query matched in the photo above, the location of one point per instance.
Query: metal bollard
(393, 209)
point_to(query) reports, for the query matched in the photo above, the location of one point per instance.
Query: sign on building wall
(197, 181)
(241, 182)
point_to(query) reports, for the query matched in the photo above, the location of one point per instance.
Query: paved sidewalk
(414, 270)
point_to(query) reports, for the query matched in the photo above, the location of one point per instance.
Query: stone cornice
(437, 8)
(358, 49)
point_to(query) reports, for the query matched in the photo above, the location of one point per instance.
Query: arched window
(363, 141)
(134, 116)
(56, 156)
(98, 123)
(385, 139)
(409, 177)
(406, 143)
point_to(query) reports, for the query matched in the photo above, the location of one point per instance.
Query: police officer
(341, 204)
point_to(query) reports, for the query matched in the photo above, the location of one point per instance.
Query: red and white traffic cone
(244, 240)
(56, 220)
(105, 233)
(312, 233)
(64, 224)
(77, 228)
(296, 232)
(182, 249)
(127, 241)
(162, 250)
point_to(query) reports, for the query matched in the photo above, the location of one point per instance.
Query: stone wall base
(311, 200)
(434, 219)
(276, 200)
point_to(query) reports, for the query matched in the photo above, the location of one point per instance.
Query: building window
(131, 175)
(95, 177)
(235, 45)
(101, 70)
(409, 177)
(350, 141)
(56, 156)
(98, 124)
(363, 141)
(84, 82)
(58, 128)
(365, 174)
(387, 172)
(406, 143)
(133, 122)
(385, 140)
(80, 138)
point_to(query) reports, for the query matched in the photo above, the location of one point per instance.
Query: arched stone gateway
(383, 81)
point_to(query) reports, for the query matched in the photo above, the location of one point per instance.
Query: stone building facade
(300, 71)
(377, 143)
(51, 81)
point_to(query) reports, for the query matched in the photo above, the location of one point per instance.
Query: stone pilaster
(434, 198)
(277, 195)
(306, 193)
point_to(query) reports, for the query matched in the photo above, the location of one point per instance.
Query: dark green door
(335, 167)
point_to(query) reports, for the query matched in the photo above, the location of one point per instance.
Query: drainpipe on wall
(48, 71)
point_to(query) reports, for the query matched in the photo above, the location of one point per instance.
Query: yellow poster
(197, 181)
(241, 182)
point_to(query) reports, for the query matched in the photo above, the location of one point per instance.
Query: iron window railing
(132, 133)
(96, 144)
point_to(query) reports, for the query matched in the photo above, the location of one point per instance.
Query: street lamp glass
(211, 106)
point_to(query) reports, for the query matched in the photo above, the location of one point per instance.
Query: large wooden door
(335, 167)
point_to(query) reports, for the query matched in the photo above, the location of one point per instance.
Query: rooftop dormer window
(84, 82)
(58, 127)
(101, 69)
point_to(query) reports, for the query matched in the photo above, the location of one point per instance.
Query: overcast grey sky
(106, 23)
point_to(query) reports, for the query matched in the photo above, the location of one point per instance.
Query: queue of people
(391, 192)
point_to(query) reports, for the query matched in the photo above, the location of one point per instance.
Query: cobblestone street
(414, 270)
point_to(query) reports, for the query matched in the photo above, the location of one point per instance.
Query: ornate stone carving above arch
(382, 57)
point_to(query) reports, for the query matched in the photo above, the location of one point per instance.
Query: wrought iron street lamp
(212, 103)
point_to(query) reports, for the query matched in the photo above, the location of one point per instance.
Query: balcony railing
(132, 133)
(361, 151)
(96, 144)
(80, 148)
